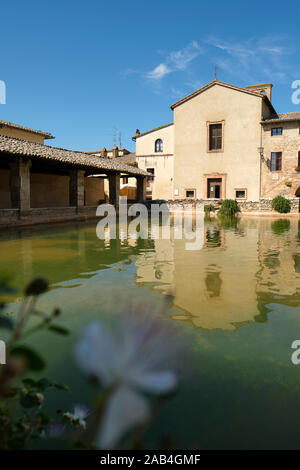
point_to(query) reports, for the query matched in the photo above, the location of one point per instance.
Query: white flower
(81, 412)
(129, 360)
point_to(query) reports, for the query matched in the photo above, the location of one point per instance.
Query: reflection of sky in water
(234, 305)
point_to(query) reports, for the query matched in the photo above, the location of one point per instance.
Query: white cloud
(176, 61)
(250, 59)
(159, 72)
(181, 58)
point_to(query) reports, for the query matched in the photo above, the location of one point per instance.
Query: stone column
(114, 189)
(141, 183)
(76, 188)
(20, 184)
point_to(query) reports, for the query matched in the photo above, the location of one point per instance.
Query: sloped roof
(281, 117)
(226, 85)
(152, 130)
(12, 125)
(12, 146)
(129, 159)
(120, 149)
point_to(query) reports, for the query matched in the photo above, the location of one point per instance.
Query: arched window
(158, 145)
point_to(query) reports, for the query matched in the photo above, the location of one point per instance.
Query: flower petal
(160, 382)
(125, 410)
(97, 353)
(81, 411)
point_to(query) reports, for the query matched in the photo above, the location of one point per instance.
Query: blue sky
(80, 68)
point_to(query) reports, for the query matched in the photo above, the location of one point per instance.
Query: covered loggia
(42, 184)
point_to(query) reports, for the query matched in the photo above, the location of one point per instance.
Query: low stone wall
(11, 217)
(263, 205)
(8, 216)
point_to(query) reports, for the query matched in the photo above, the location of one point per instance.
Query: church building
(224, 142)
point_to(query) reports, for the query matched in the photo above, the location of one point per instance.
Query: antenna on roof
(117, 136)
(215, 74)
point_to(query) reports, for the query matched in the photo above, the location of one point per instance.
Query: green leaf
(28, 401)
(33, 360)
(29, 382)
(6, 322)
(44, 383)
(61, 330)
(63, 387)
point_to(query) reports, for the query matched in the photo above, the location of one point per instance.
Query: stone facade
(285, 181)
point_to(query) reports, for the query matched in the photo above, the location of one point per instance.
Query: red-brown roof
(46, 135)
(282, 117)
(152, 130)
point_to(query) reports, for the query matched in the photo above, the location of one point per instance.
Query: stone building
(40, 183)
(281, 155)
(127, 183)
(224, 142)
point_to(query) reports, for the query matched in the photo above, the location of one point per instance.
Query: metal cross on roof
(215, 74)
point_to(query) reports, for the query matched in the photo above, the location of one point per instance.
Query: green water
(233, 306)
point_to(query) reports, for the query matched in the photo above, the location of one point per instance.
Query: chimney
(137, 132)
(264, 88)
(103, 152)
(115, 152)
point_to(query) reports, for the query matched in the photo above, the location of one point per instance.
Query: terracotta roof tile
(282, 117)
(152, 130)
(20, 147)
(47, 135)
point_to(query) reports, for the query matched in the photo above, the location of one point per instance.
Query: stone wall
(94, 191)
(263, 205)
(49, 190)
(11, 217)
(273, 183)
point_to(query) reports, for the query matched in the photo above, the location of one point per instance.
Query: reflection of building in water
(230, 281)
(278, 279)
(157, 267)
(277, 254)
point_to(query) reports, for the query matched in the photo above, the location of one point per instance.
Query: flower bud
(37, 286)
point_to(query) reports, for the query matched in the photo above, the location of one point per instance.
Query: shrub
(281, 204)
(229, 207)
(288, 183)
(209, 208)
